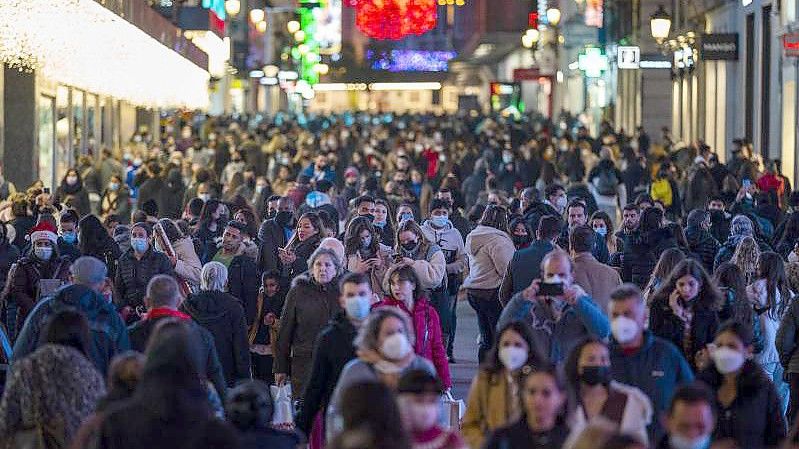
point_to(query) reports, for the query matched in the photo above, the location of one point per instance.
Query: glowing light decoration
(411, 60)
(395, 19)
(82, 44)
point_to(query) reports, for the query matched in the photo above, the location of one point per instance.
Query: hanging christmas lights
(395, 19)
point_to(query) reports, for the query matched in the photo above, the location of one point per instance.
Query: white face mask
(681, 442)
(422, 416)
(72, 180)
(727, 360)
(513, 357)
(357, 307)
(204, 196)
(624, 329)
(395, 347)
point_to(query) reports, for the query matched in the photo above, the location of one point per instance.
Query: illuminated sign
(719, 47)
(505, 96)
(592, 62)
(328, 26)
(594, 12)
(217, 6)
(790, 44)
(628, 57)
(410, 60)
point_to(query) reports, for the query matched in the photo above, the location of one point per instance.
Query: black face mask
(271, 214)
(410, 246)
(519, 240)
(595, 375)
(284, 218)
(369, 217)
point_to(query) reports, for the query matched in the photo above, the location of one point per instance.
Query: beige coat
(376, 275)
(188, 265)
(488, 407)
(596, 278)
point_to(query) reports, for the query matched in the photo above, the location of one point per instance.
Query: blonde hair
(746, 257)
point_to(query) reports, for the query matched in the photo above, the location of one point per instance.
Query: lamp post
(233, 7)
(660, 25)
(530, 38)
(553, 17)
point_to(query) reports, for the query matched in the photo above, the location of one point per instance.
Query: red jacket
(425, 321)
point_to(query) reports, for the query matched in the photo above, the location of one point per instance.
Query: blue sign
(217, 6)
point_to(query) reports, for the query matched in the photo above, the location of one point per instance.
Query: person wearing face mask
(602, 225)
(39, 269)
(365, 253)
(643, 247)
(275, 233)
(642, 359)
(115, 199)
(332, 351)
(491, 403)
(426, 258)
(135, 269)
(600, 398)
(419, 398)
(68, 235)
(384, 223)
(684, 310)
(525, 266)
(700, 242)
(558, 310)
(577, 215)
(749, 407)
(690, 418)
(384, 348)
(406, 294)
(310, 303)
(72, 193)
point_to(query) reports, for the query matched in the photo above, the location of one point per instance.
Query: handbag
(283, 417)
(454, 409)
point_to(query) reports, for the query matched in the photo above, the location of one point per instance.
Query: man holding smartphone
(558, 311)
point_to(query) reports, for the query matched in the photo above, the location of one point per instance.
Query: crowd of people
(629, 293)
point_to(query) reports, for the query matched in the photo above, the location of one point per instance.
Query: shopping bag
(283, 417)
(454, 410)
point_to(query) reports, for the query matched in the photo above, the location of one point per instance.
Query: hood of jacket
(207, 306)
(696, 236)
(82, 298)
(483, 236)
(305, 280)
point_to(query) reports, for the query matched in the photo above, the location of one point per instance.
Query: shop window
(77, 123)
(47, 133)
(62, 153)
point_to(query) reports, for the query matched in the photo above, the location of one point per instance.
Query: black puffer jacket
(641, 254)
(23, 281)
(703, 245)
(222, 315)
(664, 324)
(754, 420)
(133, 275)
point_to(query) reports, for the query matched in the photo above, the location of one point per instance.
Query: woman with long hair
(668, 260)
(384, 222)
(72, 193)
(684, 310)
(746, 256)
(246, 216)
(115, 199)
(365, 253)
(786, 242)
(370, 418)
(93, 240)
(185, 262)
(491, 403)
(489, 248)
(770, 295)
(601, 223)
(210, 227)
(736, 305)
(309, 234)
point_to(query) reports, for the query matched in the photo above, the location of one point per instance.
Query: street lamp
(233, 7)
(660, 24)
(293, 26)
(257, 15)
(553, 16)
(530, 38)
(261, 26)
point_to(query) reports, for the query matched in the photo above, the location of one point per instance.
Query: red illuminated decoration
(395, 19)
(532, 20)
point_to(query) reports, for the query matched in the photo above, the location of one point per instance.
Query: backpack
(607, 183)
(661, 190)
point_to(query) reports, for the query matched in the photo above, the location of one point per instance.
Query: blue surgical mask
(367, 242)
(357, 307)
(680, 442)
(138, 244)
(439, 221)
(70, 237)
(379, 224)
(601, 231)
(405, 216)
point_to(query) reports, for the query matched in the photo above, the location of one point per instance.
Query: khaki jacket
(487, 408)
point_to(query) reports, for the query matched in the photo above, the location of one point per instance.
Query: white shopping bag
(454, 409)
(283, 417)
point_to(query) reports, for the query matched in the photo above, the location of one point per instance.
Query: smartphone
(47, 190)
(550, 289)
(366, 254)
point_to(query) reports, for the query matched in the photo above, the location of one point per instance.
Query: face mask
(367, 242)
(519, 240)
(439, 221)
(113, 186)
(43, 252)
(259, 188)
(396, 347)
(357, 307)
(624, 329)
(410, 246)
(423, 416)
(680, 442)
(595, 375)
(138, 244)
(379, 224)
(283, 218)
(405, 216)
(561, 202)
(369, 217)
(204, 196)
(70, 237)
(507, 158)
(727, 360)
(512, 357)
(72, 180)
(601, 231)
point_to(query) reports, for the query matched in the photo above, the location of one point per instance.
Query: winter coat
(303, 251)
(519, 436)
(74, 197)
(664, 324)
(524, 268)
(427, 325)
(451, 243)
(272, 236)
(22, 226)
(8, 256)
(754, 419)
(108, 332)
(134, 274)
(188, 265)
(117, 203)
(140, 335)
(23, 281)
(376, 275)
(597, 279)
(787, 340)
(209, 241)
(243, 282)
(268, 438)
(67, 250)
(109, 254)
(642, 252)
(490, 251)
(633, 420)
(56, 387)
(333, 350)
(701, 243)
(600, 249)
(557, 338)
(727, 249)
(173, 198)
(489, 406)
(536, 210)
(308, 308)
(657, 368)
(222, 315)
